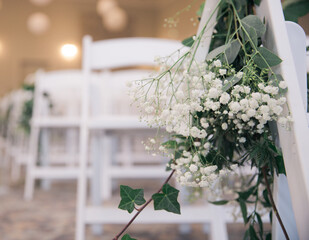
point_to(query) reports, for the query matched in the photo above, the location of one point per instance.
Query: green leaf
(221, 202)
(127, 237)
(252, 35)
(188, 41)
(246, 194)
(257, 2)
(280, 164)
(243, 208)
(295, 10)
(171, 144)
(252, 233)
(268, 236)
(265, 58)
(167, 200)
(130, 197)
(229, 51)
(252, 21)
(231, 82)
(260, 222)
(201, 9)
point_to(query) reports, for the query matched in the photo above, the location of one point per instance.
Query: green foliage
(167, 200)
(265, 58)
(227, 52)
(130, 197)
(127, 237)
(221, 202)
(296, 9)
(188, 42)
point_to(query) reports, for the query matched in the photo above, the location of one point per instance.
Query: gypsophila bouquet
(219, 114)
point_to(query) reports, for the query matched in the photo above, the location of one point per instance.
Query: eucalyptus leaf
(243, 208)
(167, 200)
(252, 233)
(188, 42)
(265, 58)
(229, 51)
(231, 82)
(221, 202)
(260, 222)
(130, 197)
(255, 23)
(295, 10)
(127, 237)
(252, 35)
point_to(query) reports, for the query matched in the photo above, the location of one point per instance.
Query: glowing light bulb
(69, 51)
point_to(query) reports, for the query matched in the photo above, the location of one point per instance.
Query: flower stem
(264, 171)
(141, 209)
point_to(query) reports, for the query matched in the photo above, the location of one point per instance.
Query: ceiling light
(69, 51)
(38, 23)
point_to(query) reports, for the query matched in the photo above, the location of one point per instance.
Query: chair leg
(81, 185)
(95, 190)
(218, 229)
(31, 162)
(106, 165)
(44, 155)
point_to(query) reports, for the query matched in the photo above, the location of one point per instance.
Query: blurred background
(47, 34)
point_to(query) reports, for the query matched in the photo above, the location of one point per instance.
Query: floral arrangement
(220, 115)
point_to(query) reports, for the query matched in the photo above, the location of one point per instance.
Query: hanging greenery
(221, 115)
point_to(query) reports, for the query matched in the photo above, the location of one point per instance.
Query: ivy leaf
(229, 51)
(188, 42)
(167, 200)
(129, 197)
(252, 21)
(266, 58)
(221, 202)
(127, 237)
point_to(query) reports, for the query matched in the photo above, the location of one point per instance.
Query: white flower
(251, 112)
(283, 85)
(264, 109)
(207, 146)
(217, 63)
(149, 109)
(244, 117)
(222, 72)
(224, 126)
(235, 107)
(242, 140)
(239, 74)
(193, 168)
(213, 93)
(253, 103)
(261, 86)
(225, 98)
(257, 96)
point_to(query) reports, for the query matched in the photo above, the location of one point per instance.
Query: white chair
(62, 89)
(103, 56)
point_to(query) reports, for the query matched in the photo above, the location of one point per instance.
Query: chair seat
(57, 122)
(56, 172)
(117, 123)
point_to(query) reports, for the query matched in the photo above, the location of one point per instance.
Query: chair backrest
(121, 60)
(57, 93)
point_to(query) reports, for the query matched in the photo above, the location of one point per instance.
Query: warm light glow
(115, 20)
(104, 6)
(69, 51)
(38, 23)
(40, 2)
(1, 48)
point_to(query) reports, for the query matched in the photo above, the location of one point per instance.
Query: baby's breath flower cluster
(200, 101)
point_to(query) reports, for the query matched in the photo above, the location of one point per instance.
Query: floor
(51, 216)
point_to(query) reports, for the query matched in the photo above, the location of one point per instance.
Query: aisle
(51, 216)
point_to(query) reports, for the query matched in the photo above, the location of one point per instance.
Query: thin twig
(264, 169)
(141, 209)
